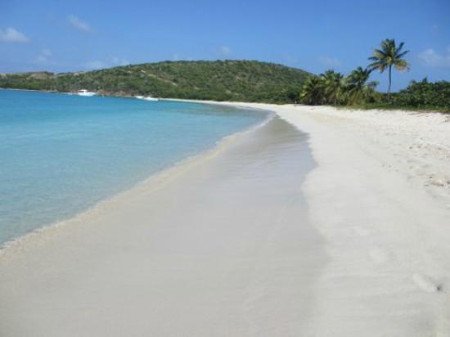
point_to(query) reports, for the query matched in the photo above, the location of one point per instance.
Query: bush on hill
(231, 80)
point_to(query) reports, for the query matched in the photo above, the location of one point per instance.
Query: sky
(317, 35)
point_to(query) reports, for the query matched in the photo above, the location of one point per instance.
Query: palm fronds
(388, 56)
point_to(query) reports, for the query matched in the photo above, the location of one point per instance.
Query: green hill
(250, 81)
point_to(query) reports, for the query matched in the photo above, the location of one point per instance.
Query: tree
(357, 89)
(327, 88)
(357, 79)
(333, 86)
(388, 56)
(312, 91)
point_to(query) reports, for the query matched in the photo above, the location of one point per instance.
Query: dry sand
(222, 246)
(381, 198)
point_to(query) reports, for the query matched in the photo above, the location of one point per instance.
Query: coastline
(152, 260)
(378, 265)
(20, 216)
(155, 178)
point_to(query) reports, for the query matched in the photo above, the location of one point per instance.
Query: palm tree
(357, 79)
(312, 91)
(333, 86)
(389, 55)
(357, 89)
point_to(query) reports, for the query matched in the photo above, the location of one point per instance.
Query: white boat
(147, 98)
(84, 92)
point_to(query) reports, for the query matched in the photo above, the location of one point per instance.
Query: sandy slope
(381, 197)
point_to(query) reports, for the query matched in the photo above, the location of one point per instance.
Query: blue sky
(312, 35)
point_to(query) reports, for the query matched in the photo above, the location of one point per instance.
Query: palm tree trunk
(390, 78)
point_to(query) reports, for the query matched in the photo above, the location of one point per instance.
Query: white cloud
(224, 51)
(12, 35)
(432, 58)
(330, 62)
(79, 24)
(44, 55)
(101, 64)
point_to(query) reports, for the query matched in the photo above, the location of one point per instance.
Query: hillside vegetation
(249, 81)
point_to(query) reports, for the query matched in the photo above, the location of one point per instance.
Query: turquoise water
(61, 154)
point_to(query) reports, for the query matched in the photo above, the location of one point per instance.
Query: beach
(319, 222)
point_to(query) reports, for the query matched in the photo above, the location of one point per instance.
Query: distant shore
(340, 229)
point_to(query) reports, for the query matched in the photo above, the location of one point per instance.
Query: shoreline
(378, 265)
(161, 175)
(156, 261)
(233, 103)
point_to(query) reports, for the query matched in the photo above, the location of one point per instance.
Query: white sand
(380, 196)
(223, 247)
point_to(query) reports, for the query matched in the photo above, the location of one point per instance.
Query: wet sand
(218, 246)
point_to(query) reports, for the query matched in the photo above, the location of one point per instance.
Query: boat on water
(84, 92)
(147, 98)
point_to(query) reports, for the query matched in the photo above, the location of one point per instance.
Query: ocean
(61, 154)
